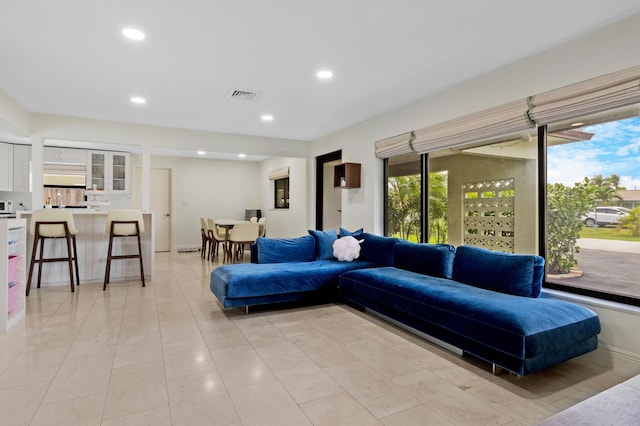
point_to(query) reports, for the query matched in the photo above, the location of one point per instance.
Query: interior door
(160, 204)
(325, 188)
(332, 200)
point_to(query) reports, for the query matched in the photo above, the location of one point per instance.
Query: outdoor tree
(630, 222)
(565, 206)
(606, 189)
(404, 206)
(438, 189)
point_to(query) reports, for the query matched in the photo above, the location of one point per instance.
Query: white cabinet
(52, 154)
(6, 167)
(13, 243)
(21, 168)
(109, 172)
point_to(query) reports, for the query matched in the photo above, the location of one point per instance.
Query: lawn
(603, 233)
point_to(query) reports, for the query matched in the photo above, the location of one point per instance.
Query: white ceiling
(68, 57)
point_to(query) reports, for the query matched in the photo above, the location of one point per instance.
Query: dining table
(227, 224)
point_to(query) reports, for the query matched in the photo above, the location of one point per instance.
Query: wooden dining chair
(241, 234)
(204, 231)
(215, 237)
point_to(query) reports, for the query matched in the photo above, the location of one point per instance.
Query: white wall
(598, 53)
(291, 222)
(218, 189)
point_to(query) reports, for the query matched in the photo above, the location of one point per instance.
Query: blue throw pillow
(377, 249)
(517, 274)
(357, 234)
(282, 250)
(427, 259)
(324, 243)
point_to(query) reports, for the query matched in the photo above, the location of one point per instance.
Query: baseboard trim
(615, 358)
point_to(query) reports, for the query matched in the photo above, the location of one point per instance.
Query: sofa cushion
(281, 250)
(519, 326)
(377, 249)
(249, 280)
(324, 243)
(517, 274)
(427, 259)
(357, 234)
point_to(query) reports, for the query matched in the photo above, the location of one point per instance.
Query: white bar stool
(53, 223)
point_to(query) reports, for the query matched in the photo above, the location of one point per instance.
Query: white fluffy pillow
(346, 249)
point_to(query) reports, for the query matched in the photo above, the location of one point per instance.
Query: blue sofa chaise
(288, 270)
(483, 302)
(488, 304)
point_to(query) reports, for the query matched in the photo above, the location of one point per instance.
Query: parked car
(605, 215)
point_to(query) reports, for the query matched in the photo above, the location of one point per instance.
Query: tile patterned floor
(168, 354)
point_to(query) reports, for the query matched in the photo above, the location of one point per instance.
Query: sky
(615, 148)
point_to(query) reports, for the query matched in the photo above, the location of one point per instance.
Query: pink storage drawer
(13, 262)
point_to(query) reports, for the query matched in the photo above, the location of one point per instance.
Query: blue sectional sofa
(485, 303)
(287, 270)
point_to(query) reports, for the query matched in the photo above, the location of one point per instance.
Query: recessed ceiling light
(138, 100)
(576, 124)
(242, 155)
(267, 117)
(133, 34)
(201, 152)
(324, 74)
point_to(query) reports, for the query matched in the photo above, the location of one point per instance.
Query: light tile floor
(168, 354)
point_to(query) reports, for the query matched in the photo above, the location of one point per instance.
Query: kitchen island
(93, 243)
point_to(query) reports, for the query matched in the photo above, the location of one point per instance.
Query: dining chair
(253, 219)
(241, 234)
(204, 231)
(262, 226)
(53, 223)
(215, 237)
(123, 223)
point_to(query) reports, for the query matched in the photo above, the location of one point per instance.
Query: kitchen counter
(93, 242)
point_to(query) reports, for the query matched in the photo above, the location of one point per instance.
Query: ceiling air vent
(243, 95)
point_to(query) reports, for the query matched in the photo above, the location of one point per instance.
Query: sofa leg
(246, 310)
(497, 370)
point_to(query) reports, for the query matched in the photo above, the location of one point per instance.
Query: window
(593, 209)
(281, 193)
(485, 196)
(403, 217)
(569, 192)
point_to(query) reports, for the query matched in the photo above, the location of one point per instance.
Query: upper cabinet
(15, 162)
(21, 168)
(6, 167)
(109, 172)
(52, 154)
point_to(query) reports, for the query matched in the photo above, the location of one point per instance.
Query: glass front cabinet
(109, 172)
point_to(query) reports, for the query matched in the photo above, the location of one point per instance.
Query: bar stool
(53, 223)
(120, 224)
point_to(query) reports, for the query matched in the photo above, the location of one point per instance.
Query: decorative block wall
(489, 214)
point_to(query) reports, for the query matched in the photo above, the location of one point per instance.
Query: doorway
(160, 205)
(328, 199)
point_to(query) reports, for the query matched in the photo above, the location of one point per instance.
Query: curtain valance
(281, 173)
(503, 121)
(598, 94)
(395, 145)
